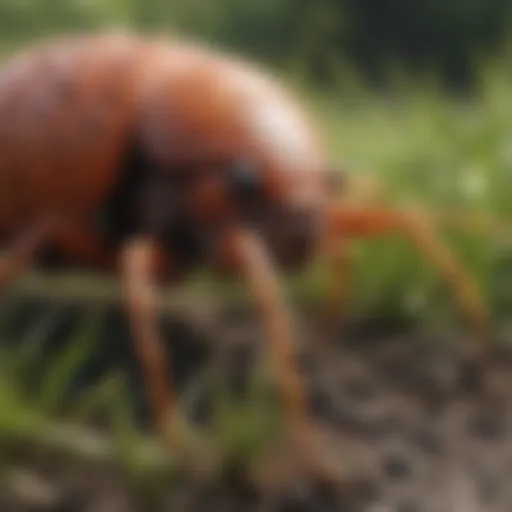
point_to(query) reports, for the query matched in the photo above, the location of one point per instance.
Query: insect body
(141, 156)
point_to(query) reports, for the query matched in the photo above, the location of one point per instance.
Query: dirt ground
(416, 425)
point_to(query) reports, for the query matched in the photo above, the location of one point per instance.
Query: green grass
(44, 417)
(429, 150)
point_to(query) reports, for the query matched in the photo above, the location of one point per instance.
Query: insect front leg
(350, 221)
(354, 189)
(244, 251)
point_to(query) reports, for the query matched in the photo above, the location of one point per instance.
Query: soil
(418, 423)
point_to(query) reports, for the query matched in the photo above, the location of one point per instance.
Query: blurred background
(416, 94)
(323, 39)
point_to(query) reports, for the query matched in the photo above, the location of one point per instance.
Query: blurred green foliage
(320, 35)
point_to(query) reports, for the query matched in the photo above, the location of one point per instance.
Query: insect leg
(18, 257)
(139, 266)
(350, 221)
(250, 256)
(338, 263)
(354, 189)
(360, 190)
(246, 252)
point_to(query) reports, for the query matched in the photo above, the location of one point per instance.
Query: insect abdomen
(65, 114)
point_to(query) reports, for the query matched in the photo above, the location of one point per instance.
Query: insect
(149, 157)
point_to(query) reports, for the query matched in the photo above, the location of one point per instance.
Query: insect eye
(244, 180)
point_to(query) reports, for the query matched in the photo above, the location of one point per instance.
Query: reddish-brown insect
(159, 156)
